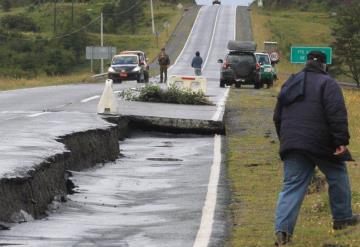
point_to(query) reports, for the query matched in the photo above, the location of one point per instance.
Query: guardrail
(348, 85)
(99, 75)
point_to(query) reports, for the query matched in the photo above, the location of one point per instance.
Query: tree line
(346, 32)
(306, 3)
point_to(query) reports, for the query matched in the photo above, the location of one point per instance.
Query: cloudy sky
(227, 2)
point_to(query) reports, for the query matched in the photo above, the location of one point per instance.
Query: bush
(174, 95)
(59, 61)
(6, 5)
(19, 22)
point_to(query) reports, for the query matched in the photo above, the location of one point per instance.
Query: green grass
(254, 168)
(255, 172)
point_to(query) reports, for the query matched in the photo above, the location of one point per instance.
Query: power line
(57, 37)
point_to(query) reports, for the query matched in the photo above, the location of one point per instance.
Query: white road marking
(187, 40)
(37, 114)
(235, 23)
(221, 106)
(212, 39)
(204, 234)
(90, 98)
(207, 220)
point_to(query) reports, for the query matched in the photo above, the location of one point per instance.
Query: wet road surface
(151, 196)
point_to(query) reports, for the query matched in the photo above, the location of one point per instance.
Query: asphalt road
(147, 204)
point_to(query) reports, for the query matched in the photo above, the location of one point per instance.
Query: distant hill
(48, 37)
(306, 3)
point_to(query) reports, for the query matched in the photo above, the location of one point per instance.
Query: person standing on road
(164, 62)
(312, 125)
(197, 64)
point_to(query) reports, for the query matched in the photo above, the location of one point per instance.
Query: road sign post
(99, 52)
(299, 53)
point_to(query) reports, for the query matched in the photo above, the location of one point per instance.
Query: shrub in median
(174, 94)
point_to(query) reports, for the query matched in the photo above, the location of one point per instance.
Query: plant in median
(174, 94)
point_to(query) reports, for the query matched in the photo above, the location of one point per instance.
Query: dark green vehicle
(239, 66)
(267, 71)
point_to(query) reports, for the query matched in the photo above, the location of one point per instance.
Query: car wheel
(270, 83)
(258, 85)
(222, 83)
(238, 84)
(146, 75)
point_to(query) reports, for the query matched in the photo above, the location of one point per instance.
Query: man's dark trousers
(163, 73)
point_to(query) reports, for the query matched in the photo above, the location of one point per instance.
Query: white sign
(100, 52)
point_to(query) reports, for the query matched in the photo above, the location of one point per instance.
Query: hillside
(306, 4)
(40, 38)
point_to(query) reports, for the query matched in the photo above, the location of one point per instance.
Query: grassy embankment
(254, 168)
(141, 40)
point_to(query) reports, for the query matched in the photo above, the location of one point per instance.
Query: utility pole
(102, 40)
(152, 16)
(55, 16)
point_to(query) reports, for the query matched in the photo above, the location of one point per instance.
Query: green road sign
(298, 54)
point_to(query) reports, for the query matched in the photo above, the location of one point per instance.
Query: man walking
(197, 64)
(312, 125)
(164, 62)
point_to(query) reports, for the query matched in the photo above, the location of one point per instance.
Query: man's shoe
(342, 224)
(282, 238)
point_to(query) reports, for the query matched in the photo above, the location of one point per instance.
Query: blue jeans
(298, 171)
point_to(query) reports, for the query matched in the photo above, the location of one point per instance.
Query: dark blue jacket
(310, 114)
(197, 62)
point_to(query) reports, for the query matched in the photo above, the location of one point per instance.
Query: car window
(236, 58)
(263, 59)
(125, 60)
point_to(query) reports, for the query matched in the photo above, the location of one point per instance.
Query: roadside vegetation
(173, 94)
(34, 51)
(254, 168)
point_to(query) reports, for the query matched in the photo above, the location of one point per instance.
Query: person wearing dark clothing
(197, 64)
(312, 125)
(164, 62)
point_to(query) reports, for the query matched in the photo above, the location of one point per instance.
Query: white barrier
(195, 83)
(108, 103)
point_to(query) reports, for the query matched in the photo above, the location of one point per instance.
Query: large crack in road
(151, 196)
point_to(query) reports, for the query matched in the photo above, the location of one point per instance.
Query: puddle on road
(151, 196)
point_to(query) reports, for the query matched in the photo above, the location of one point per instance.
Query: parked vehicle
(129, 65)
(271, 48)
(240, 66)
(216, 2)
(267, 71)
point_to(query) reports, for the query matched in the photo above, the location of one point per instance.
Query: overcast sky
(226, 2)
